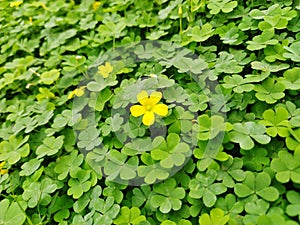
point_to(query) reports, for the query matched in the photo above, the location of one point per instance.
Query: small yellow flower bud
(180, 11)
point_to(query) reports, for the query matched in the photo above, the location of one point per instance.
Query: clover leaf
(243, 133)
(274, 219)
(216, 216)
(231, 172)
(254, 209)
(199, 102)
(293, 209)
(89, 138)
(294, 113)
(97, 101)
(257, 184)
(49, 77)
(261, 41)
(14, 149)
(105, 210)
(185, 64)
(201, 34)
(176, 216)
(204, 186)
(168, 222)
(115, 190)
(12, 213)
(152, 173)
(273, 12)
(170, 152)
(67, 117)
(269, 91)
(226, 6)
(39, 192)
(210, 127)
(112, 124)
(167, 196)
(85, 199)
(82, 183)
(256, 159)
(293, 52)
(237, 83)
(230, 205)
(50, 146)
(208, 155)
(140, 195)
(228, 63)
(100, 83)
(111, 29)
(276, 122)
(68, 164)
(60, 209)
(120, 166)
(267, 68)
(275, 17)
(30, 167)
(231, 34)
(291, 78)
(287, 166)
(129, 216)
(292, 142)
(275, 52)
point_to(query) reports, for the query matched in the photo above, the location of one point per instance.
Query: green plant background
(252, 48)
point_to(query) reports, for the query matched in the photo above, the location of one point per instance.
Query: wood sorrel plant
(144, 130)
(79, 66)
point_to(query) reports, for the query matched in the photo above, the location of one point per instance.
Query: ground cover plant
(150, 112)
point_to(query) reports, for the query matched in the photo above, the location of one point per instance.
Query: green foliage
(204, 186)
(245, 133)
(257, 184)
(269, 91)
(227, 152)
(12, 212)
(293, 208)
(169, 152)
(167, 196)
(39, 192)
(225, 6)
(286, 166)
(129, 216)
(210, 127)
(276, 122)
(216, 217)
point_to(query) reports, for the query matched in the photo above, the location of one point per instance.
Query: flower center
(149, 107)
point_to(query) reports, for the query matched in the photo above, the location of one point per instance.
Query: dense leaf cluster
(70, 152)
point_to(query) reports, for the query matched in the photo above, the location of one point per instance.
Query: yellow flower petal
(2, 164)
(148, 118)
(4, 171)
(79, 91)
(155, 97)
(96, 5)
(15, 4)
(160, 109)
(137, 110)
(71, 95)
(142, 97)
(105, 70)
(109, 67)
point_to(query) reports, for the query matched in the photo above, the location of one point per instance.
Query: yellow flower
(3, 171)
(96, 5)
(78, 92)
(148, 107)
(105, 70)
(15, 4)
